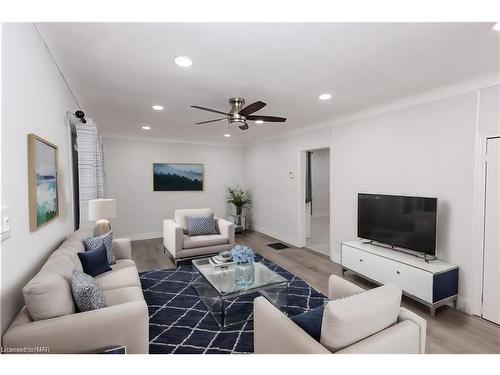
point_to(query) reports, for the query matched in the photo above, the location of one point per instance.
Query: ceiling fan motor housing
(236, 105)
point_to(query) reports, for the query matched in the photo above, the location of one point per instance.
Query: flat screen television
(400, 221)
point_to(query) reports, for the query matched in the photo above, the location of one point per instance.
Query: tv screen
(408, 222)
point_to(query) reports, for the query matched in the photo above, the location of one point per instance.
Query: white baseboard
(278, 236)
(144, 236)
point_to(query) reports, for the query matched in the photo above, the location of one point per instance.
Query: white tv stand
(432, 283)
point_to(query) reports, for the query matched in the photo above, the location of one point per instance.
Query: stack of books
(220, 261)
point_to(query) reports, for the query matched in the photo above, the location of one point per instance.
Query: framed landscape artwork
(177, 177)
(42, 179)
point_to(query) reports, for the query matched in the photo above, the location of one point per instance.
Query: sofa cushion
(119, 278)
(204, 241)
(70, 252)
(123, 295)
(180, 215)
(201, 225)
(75, 239)
(122, 263)
(48, 295)
(94, 262)
(310, 321)
(93, 243)
(62, 264)
(350, 319)
(87, 293)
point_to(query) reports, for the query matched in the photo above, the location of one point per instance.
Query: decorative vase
(239, 210)
(244, 273)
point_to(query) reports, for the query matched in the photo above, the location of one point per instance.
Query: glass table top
(223, 279)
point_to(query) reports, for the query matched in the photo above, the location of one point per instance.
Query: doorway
(491, 245)
(317, 200)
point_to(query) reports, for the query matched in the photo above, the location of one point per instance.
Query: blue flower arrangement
(242, 254)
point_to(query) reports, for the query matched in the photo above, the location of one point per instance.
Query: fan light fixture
(157, 107)
(227, 135)
(183, 61)
(145, 127)
(325, 97)
(259, 122)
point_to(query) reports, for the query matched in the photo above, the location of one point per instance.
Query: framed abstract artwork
(177, 177)
(42, 179)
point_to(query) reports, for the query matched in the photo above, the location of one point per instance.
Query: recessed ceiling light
(183, 61)
(325, 97)
(496, 26)
(260, 122)
(157, 107)
(145, 127)
(227, 135)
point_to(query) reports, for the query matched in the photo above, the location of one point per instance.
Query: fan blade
(210, 110)
(251, 108)
(206, 122)
(266, 118)
(243, 127)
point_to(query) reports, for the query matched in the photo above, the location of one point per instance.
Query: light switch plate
(5, 223)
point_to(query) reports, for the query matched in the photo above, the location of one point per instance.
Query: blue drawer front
(445, 285)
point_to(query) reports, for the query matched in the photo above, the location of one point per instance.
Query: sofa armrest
(226, 228)
(122, 248)
(405, 314)
(173, 236)
(341, 288)
(86, 332)
(275, 333)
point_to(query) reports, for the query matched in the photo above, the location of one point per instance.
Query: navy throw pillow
(93, 243)
(95, 262)
(310, 321)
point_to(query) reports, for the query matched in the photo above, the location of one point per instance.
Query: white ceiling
(119, 70)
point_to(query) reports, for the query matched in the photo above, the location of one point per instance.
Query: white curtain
(90, 165)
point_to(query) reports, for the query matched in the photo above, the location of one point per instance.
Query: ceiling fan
(239, 115)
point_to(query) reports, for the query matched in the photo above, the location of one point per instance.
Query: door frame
(479, 197)
(301, 179)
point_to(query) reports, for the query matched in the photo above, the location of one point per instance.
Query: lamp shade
(102, 209)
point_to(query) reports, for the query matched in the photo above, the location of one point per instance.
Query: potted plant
(240, 198)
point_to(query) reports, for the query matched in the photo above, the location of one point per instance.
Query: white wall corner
(335, 257)
(463, 305)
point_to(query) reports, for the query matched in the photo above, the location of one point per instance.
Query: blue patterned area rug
(180, 323)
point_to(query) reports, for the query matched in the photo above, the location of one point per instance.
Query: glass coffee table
(230, 304)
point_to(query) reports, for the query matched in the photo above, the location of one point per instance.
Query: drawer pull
(361, 260)
(398, 272)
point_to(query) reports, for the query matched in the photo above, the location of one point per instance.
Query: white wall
(34, 100)
(129, 174)
(422, 150)
(320, 174)
(278, 208)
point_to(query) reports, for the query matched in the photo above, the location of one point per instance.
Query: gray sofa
(179, 246)
(275, 333)
(56, 325)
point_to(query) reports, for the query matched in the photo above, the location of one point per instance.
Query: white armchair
(179, 246)
(275, 333)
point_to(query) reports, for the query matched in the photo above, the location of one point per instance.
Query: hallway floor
(320, 235)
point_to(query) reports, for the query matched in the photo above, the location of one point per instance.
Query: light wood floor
(450, 331)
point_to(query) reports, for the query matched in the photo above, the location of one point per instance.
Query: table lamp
(101, 210)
